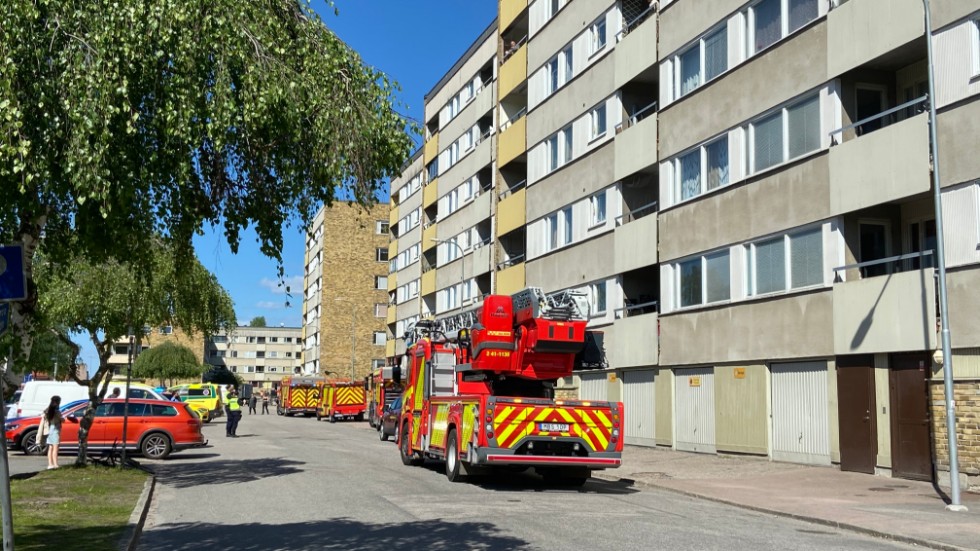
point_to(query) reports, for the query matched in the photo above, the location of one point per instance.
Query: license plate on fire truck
(553, 427)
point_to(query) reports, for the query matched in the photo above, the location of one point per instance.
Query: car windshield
(397, 404)
(15, 398)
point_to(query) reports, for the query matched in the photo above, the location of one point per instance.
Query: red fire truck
(298, 394)
(341, 400)
(480, 391)
(384, 386)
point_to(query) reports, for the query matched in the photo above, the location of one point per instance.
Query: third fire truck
(384, 386)
(480, 391)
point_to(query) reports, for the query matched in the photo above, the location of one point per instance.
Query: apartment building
(261, 356)
(345, 290)
(154, 336)
(743, 187)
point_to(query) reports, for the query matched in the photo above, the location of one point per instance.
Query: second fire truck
(480, 391)
(383, 386)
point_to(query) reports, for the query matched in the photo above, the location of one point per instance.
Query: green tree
(167, 362)
(124, 120)
(258, 321)
(107, 300)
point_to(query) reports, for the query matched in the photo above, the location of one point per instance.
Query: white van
(36, 395)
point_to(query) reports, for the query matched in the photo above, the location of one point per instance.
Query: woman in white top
(51, 428)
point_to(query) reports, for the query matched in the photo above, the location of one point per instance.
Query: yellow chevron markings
(504, 432)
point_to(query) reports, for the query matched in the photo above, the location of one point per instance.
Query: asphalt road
(299, 484)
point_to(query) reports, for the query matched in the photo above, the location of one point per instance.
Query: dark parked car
(389, 419)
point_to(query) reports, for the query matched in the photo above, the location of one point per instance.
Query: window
(701, 62)
(567, 234)
(377, 364)
(558, 148)
(785, 262)
(975, 30)
(597, 36)
(704, 280)
(597, 122)
(558, 228)
(272, 354)
(701, 170)
(566, 145)
(380, 310)
(260, 340)
(381, 254)
(559, 70)
(771, 20)
(166, 329)
(380, 282)
(260, 369)
(597, 296)
(597, 205)
(551, 229)
(219, 339)
(380, 337)
(786, 134)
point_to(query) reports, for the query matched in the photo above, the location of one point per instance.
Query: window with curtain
(690, 69)
(769, 265)
(717, 277)
(768, 141)
(597, 35)
(766, 19)
(566, 145)
(551, 225)
(801, 12)
(567, 218)
(552, 147)
(690, 282)
(806, 258)
(598, 204)
(598, 295)
(569, 65)
(716, 156)
(690, 174)
(552, 68)
(597, 118)
(715, 53)
(804, 127)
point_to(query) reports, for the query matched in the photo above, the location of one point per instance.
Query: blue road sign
(4, 317)
(13, 280)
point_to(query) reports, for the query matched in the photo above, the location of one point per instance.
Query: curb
(137, 519)
(803, 518)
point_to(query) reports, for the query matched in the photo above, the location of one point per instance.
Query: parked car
(390, 416)
(36, 395)
(156, 428)
(11, 404)
(204, 398)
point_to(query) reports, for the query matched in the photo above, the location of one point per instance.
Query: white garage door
(800, 422)
(594, 387)
(639, 399)
(694, 390)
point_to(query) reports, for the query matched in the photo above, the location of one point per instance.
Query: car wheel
(156, 446)
(29, 443)
(408, 456)
(384, 435)
(452, 458)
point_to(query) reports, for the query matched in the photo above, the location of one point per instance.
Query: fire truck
(341, 400)
(383, 386)
(480, 392)
(298, 395)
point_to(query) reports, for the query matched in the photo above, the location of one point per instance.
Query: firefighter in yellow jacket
(234, 411)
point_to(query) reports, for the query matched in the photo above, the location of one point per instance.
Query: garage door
(639, 394)
(800, 421)
(594, 387)
(694, 390)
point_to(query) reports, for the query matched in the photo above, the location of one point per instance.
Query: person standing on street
(265, 403)
(50, 430)
(252, 402)
(234, 411)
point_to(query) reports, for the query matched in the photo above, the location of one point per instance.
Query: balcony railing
(637, 213)
(514, 260)
(631, 309)
(891, 265)
(511, 190)
(637, 19)
(512, 49)
(639, 115)
(517, 116)
(881, 120)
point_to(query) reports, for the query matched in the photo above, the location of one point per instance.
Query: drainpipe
(954, 466)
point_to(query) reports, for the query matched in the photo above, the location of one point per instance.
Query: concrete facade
(261, 356)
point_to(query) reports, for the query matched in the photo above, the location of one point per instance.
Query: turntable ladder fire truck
(480, 391)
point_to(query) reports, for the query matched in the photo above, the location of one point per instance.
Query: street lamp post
(353, 335)
(462, 265)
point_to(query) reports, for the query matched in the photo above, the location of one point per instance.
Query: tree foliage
(109, 302)
(258, 321)
(167, 362)
(124, 120)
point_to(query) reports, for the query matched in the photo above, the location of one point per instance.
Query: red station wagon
(155, 428)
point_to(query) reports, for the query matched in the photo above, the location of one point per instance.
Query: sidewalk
(901, 509)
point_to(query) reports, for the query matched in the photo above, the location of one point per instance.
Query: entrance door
(874, 245)
(856, 413)
(910, 420)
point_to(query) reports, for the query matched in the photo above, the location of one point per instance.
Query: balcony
(474, 263)
(431, 149)
(510, 278)
(894, 312)
(513, 72)
(510, 10)
(392, 282)
(636, 52)
(430, 194)
(859, 32)
(636, 342)
(391, 317)
(636, 239)
(393, 216)
(511, 212)
(512, 142)
(428, 235)
(885, 165)
(428, 285)
(393, 248)
(390, 348)
(636, 144)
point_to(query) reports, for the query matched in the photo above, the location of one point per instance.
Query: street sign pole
(13, 288)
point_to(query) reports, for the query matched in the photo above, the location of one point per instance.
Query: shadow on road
(342, 533)
(187, 475)
(514, 481)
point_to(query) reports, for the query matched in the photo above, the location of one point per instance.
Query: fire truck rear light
(489, 430)
(586, 403)
(615, 434)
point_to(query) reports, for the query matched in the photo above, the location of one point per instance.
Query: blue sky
(415, 42)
